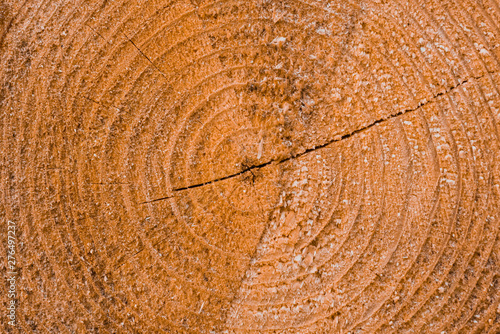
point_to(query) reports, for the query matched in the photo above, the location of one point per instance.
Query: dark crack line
(402, 112)
(130, 40)
(248, 169)
(142, 53)
(97, 33)
(344, 137)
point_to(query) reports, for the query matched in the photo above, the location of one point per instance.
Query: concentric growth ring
(298, 166)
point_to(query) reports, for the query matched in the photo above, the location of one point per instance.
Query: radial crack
(142, 53)
(315, 148)
(248, 169)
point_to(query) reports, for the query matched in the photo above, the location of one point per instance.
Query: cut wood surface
(296, 166)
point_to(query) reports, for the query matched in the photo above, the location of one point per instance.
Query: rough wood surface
(296, 166)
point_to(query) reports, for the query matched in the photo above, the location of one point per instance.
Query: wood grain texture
(296, 166)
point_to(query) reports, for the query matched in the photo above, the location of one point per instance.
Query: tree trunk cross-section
(256, 166)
